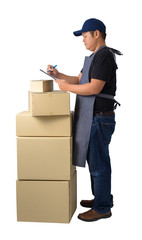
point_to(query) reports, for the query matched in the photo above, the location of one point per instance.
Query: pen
(52, 68)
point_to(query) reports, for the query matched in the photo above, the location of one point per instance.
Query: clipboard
(49, 74)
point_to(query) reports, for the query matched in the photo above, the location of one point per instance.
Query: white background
(36, 33)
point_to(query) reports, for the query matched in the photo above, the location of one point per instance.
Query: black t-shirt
(104, 67)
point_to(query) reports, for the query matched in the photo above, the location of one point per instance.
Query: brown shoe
(87, 203)
(92, 215)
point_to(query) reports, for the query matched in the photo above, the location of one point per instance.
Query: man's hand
(63, 85)
(53, 72)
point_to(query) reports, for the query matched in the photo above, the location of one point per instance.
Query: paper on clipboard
(49, 74)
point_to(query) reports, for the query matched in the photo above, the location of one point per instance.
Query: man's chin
(87, 48)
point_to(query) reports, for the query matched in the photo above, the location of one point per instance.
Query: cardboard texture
(44, 158)
(29, 101)
(49, 103)
(46, 201)
(46, 185)
(41, 86)
(29, 126)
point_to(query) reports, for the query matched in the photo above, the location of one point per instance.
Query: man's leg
(99, 162)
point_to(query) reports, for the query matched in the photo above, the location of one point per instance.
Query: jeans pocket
(107, 131)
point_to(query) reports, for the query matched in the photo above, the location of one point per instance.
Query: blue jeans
(99, 162)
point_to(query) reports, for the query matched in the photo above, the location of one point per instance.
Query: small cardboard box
(29, 126)
(46, 201)
(41, 86)
(44, 158)
(49, 103)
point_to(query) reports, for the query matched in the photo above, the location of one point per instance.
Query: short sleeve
(103, 66)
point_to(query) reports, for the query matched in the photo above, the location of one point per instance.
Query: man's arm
(94, 87)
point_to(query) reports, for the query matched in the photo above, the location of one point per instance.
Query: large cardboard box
(49, 103)
(27, 125)
(46, 201)
(44, 158)
(41, 86)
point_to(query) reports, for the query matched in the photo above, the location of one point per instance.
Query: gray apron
(83, 117)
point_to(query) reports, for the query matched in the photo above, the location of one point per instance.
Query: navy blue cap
(91, 24)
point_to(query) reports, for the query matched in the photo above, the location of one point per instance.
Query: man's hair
(103, 35)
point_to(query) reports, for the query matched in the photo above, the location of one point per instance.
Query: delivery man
(94, 118)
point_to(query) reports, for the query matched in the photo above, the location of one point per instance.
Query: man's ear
(97, 34)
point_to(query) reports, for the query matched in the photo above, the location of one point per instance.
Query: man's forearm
(83, 89)
(69, 79)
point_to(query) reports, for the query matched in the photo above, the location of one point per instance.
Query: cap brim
(77, 33)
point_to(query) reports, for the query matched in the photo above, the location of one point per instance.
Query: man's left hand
(63, 84)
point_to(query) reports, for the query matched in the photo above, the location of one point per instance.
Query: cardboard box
(29, 126)
(41, 86)
(29, 101)
(46, 201)
(49, 103)
(44, 158)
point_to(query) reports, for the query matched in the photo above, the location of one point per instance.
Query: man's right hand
(54, 72)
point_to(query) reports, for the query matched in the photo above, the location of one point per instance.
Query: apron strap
(115, 51)
(109, 97)
(116, 103)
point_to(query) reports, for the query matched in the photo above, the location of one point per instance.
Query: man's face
(89, 41)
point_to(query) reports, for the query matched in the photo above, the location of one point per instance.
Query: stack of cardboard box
(46, 185)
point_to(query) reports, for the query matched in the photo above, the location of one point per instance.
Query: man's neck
(103, 44)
